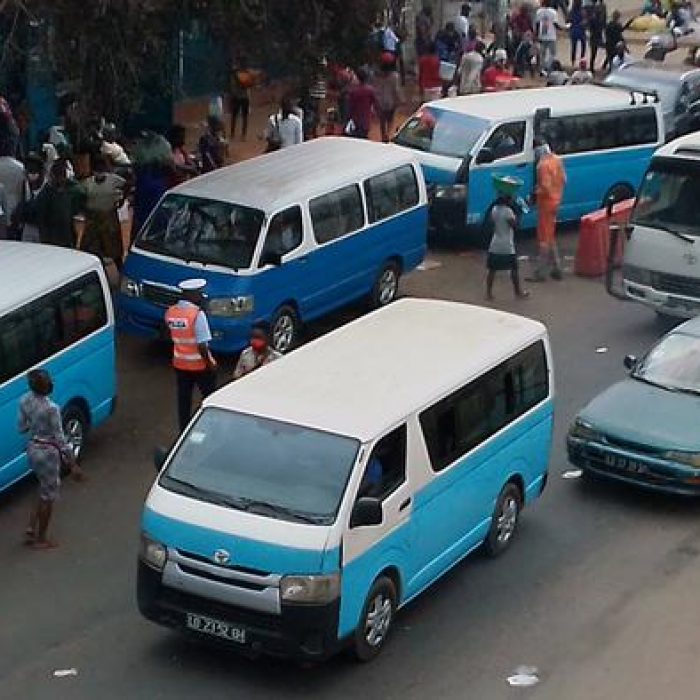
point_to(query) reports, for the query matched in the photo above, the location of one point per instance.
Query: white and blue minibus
(285, 238)
(605, 136)
(309, 501)
(55, 313)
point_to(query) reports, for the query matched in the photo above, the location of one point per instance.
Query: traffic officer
(193, 362)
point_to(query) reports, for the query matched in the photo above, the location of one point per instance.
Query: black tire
(386, 286)
(285, 329)
(381, 601)
(504, 521)
(75, 428)
(619, 193)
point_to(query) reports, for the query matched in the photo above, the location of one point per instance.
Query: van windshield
(668, 198)
(203, 230)
(263, 466)
(441, 132)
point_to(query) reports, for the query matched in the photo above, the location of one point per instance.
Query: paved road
(594, 592)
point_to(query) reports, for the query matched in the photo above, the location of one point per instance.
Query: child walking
(501, 253)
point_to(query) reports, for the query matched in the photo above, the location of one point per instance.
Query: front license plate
(624, 464)
(216, 628)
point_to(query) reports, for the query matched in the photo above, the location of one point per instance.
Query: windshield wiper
(664, 227)
(651, 382)
(249, 504)
(189, 489)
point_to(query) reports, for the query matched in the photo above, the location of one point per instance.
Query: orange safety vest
(186, 355)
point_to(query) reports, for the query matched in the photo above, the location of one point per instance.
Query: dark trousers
(186, 381)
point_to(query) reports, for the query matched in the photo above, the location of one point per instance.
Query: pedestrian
(521, 24)
(597, 18)
(259, 353)
(429, 80)
(212, 145)
(284, 128)
(501, 253)
(525, 56)
(34, 183)
(56, 207)
(387, 85)
(557, 76)
(613, 37)
(582, 75)
(468, 76)
(448, 43)
(47, 451)
(103, 193)
(184, 165)
(546, 21)
(621, 56)
(193, 362)
(12, 178)
(362, 102)
(549, 190)
(463, 21)
(577, 31)
(424, 30)
(239, 95)
(497, 76)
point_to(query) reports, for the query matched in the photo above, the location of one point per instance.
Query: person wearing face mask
(103, 193)
(258, 353)
(551, 180)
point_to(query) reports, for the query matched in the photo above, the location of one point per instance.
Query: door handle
(521, 165)
(405, 504)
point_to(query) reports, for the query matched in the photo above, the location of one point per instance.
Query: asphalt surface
(597, 591)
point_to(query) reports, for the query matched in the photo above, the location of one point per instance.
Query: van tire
(504, 521)
(285, 329)
(376, 620)
(386, 286)
(75, 428)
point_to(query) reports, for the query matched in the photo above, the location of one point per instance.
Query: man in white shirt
(546, 21)
(12, 180)
(462, 23)
(285, 128)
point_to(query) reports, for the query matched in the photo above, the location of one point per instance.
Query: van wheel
(386, 288)
(504, 520)
(285, 329)
(75, 428)
(377, 617)
(618, 193)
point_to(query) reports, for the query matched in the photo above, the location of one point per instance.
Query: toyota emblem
(221, 557)
(690, 258)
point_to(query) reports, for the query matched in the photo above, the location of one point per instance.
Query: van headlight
(451, 192)
(310, 590)
(690, 459)
(231, 306)
(153, 553)
(129, 287)
(585, 431)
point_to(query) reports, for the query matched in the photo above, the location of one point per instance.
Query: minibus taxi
(285, 237)
(309, 501)
(661, 266)
(55, 313)
(605, 136)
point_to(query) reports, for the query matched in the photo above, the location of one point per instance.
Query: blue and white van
(55, 313)
(605, 136)
(286, 238)
(310, 500)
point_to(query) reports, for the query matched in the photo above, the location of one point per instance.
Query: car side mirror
(366, 511)
(630, 362)
(160, 455)
(274, 259)
(486, 155)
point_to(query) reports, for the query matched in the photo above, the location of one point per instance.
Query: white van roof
(569, 99)
(684, 147)
(286, 177)
(28, 270)
(366, 377)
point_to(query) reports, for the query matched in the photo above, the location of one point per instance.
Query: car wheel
(376, 621)
(75, 428)
(504, 521)
(285, 329)
(618, 193)
(386, 288)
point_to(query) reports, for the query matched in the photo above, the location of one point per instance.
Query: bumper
(302, 632)
(632, 468)
(663, 302)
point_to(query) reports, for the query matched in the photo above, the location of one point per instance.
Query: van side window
(460, 422)
(43, 327)
(336, 214)
(391, 193)
(284, 234)
(386, 466)
(507, 140)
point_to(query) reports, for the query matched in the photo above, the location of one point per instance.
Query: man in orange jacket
(193, 362)
(551, 179)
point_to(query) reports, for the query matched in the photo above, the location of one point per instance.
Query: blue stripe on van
(244, 552)
(451, 515)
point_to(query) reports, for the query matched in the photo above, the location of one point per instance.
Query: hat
(192, 285)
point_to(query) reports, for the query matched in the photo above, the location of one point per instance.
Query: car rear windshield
(441, 132)
(263, 466)
(203, 230)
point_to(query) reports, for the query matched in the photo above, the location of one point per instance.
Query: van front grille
(676, 284)
(160, 296)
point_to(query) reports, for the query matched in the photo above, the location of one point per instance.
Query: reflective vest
(186, 355)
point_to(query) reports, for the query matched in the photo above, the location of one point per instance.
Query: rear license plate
(216, 628)
(624, 464)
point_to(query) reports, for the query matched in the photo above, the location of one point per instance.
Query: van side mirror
(269, 258)
(366, 511)
(485, 156)
(630, 362)
(160, 455)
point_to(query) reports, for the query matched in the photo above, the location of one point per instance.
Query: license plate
(216, 628)
(624, 464)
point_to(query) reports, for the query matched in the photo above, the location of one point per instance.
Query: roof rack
(646, 94)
